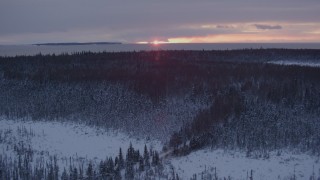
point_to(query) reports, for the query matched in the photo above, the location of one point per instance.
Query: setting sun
(157, 42)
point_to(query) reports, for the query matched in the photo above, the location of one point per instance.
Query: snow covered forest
(255, 101)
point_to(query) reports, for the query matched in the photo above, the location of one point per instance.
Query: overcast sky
(132, 21)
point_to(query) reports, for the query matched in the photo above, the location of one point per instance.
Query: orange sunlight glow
(246, 38)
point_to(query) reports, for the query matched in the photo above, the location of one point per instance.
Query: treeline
(124, 66)
(130, 165)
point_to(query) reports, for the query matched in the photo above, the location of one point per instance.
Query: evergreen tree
(102, 169)
(50, 175)
(146, 157)
(70, 171)
(141, 164)
(155, 159)
(64, 175)
(89, 172)
(81, 173)
(130, 154)
(110, 167)
(117, 174)
(56, 168)
(121, 160)
(129, 173)
(136, 156)
(116, 162)
(75, 174)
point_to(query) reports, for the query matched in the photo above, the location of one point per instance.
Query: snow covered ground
(237, 166)
(296, 63)
(78, 141)
(68, 140)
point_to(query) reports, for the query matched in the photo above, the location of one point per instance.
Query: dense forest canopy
(229, 98)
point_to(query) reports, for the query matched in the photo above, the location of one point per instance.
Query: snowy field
(296, 63)
(237, 166)
(93, 144)
(68, 140)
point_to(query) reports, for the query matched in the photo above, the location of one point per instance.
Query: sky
(166, 21)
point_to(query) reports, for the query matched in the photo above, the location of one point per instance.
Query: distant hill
(75, 43)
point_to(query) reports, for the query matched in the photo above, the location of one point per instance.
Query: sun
(156, 42)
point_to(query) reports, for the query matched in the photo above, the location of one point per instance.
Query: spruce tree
(141, 164)
(80, 173)
(64, 175)
(155, 159)
(110, 167)
(130, 154)
(121, 160)
(75, 174)
(89, 172)
(146, 157)
(117, 174)
(129, 173)
(116, 162)
(102, 169)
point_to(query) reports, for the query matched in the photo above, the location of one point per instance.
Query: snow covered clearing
(237, 166)
(296, 63)
(93, 144)
(68, 140)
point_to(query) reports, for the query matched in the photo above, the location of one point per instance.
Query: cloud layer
(266, 27)
(142, 20)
